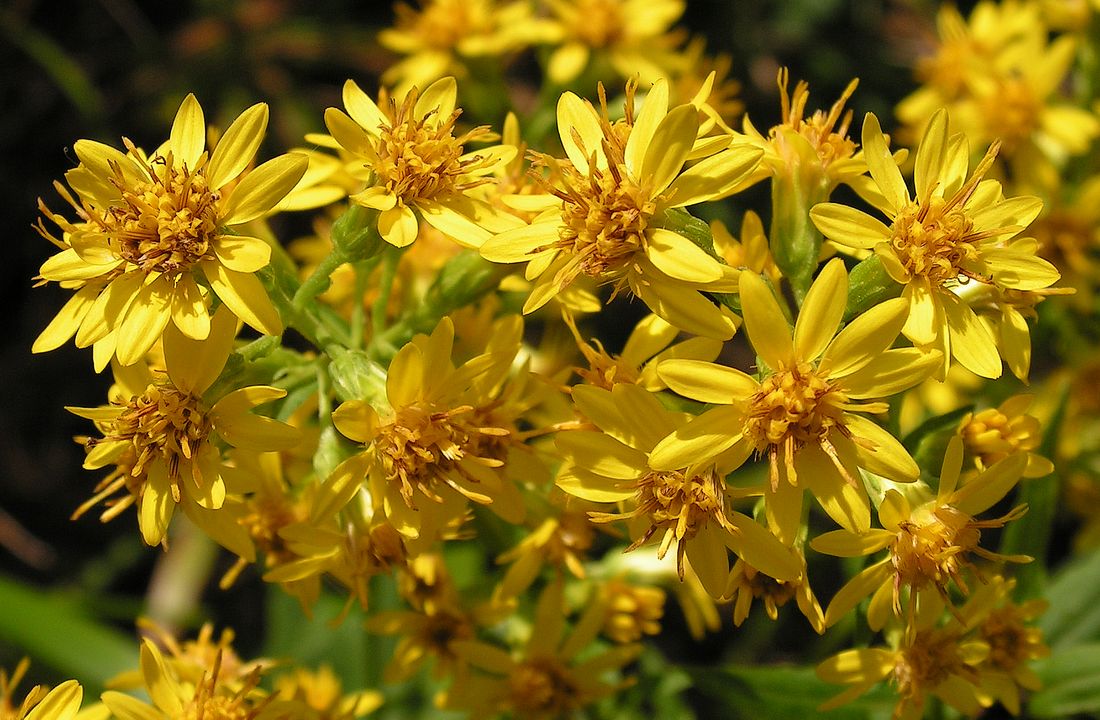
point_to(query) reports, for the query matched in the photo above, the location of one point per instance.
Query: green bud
(355, 234)
(354, 376)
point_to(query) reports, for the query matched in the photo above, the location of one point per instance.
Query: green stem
(363, 272)
(390, 258)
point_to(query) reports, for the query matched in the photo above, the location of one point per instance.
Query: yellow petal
(783, 510)
(362, 108)
(679, 258)
(356, 420)
(707, 553)
(587, 485)
(60, 703)
(848, 227)
(627, 413)
(686, 309)
(189, 308)
(760, 548)
(822, 311)
(65, 324)
(576, 116)
(194, 365)
(886, 456)
(703, 437)
(349, 134)
(339, 488)
(669, 148)
(707, 382)
(972, 344)
(601, 454)
(438, 98)
(765, 323)
(567, 62)
(398, 226)
(931, 154)
(926, 315)
(890, 373)
(241, 253)
(984, 491)
(844, 543)
(653, 112)
(714, 177)
(245, 295)
(882, 166)
(262, 189)
(405, 376)
(846, 504)
(864, 338)
(156, 504)
(452, 223)
(144, 322)
(865, 665)
(188, 137)
(237, 146)
(859, 587)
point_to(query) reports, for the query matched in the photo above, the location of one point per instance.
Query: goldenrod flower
(995, 433)
(929, 544)
(59, 703)
(631, 610)
(607, 218)
(686, 505)
(747, 584)
(320, 694)
(414, 166)
(945, 662)
(632, 36)
(801, 414)
(751, 251)
(546, 681)
(435, 447)
(176, 698)
(163, 435)
(562, 542)
(442, 36)
(157, 232)
(956, 230)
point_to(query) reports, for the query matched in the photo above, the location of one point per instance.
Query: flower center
(1012, 113)
(421, 159)
(932, 658)
(1011, 642)
(992, 435)
(599, 23)
(933, 239)
(441, 24)
(934, 551)
(821, 129)
(165, 223)
(796, 406)
(162, 423)
(542, 685)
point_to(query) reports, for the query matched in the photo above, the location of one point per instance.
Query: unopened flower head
(157, 232)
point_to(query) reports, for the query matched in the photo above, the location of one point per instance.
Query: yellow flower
(60, 703)
(954, 232)
(607, 214)
(751, 251)
(157, 233)
(995, 433)
(177, 698)
(443, 35)
(686, 505)
(163, 435)
(693, 69)
(941, 661)
(562, 542)
(435, 447)
(632, 610)
(414, 165)
(929, 544)
(632, 36)
(319, 695)
(801, 414)
(746, 584)
(547, 681)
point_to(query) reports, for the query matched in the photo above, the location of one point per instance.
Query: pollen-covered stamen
(933, 549)
(541, 687)
(677, 504)
(821, 129)
(162, 423)
(166, 222)
(774, 593)
(420, 158)
(423, 448)
(932, 657)
(214, 700)
(793, 408)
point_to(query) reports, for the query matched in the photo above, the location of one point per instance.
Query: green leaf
(783, 692)
(928, 442)
(1074, 596)
(1071, 683)
(869, 284)
(314, 641)
(55, 629)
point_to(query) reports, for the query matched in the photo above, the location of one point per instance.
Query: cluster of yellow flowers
(449, 392)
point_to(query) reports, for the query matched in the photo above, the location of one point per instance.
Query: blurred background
(102, 69)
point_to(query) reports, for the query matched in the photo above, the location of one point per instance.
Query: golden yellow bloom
(562, 542)
(319, 695)
(632, 36)
(751, 251)
(694, 67)
(163, 435)
(546, 681)
(929, 544)
(435, 447)
(941, 661)
(415, 167)
(607, 214)
(686, 505)
(60, 703)
(747, 584)
(955, 231)
(176, 698)
(801, 414)
(442, 36)
(632, 611)
(156, 234)
(995, 433)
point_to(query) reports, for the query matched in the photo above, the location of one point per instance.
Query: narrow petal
(144, 322)
(765, 323)
(653, 111)
(703, 437)
(245, 295)
(710, 560)
(61, 703)
(627, 413)
(864, 338)
(589, 486)
(362, 108)
(65, 324)
(846, 504)
(237, 146)
(188, 137)
(241, 253)
(926, 317)
(262, 189)
(601, 454)
(398, 226)
(892, 372)
(686, 309)
(760, 548)
(880, 161)
(859, 587)
(707, 382)
(931, 154)
(194, 365)
(844, 543)
(438, 98)
(453, 224)
(679, 258)
(783, 510)
(356, 420)
(972, 344)
(576, 116)
(987, 489)
(879, 451)
(821, 312)
(714, 177)
(349, 134)
(865, 665)
(189, 308)
(848, 227)
(669, 148)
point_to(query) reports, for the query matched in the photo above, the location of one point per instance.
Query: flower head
(956, 230)
(59, 703)
(157, 231)
(607, 213)
(414, 165)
